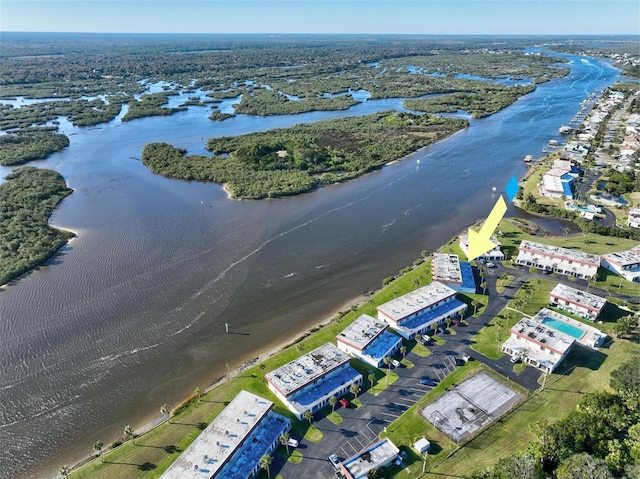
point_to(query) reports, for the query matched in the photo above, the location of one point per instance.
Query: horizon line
(333, 33)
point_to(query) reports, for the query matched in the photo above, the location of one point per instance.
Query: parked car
(515, 359)
(343, 402)
(395, 363)
(404, 455)
(428, 382)
(335, 462)
(490, 265)
(466, 357)
(426, 337)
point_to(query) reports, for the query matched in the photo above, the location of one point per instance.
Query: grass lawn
(387, 379)
(335, 418)
(314, 435)
(418, 349)
(407, 364)
(502, 283)
(295, 457)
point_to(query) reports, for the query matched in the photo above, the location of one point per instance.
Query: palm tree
(483, 285)
(198, 392)
(371, 303)
(461, 313)
(355, 389)
(227, 365)
(475, 303)
(403, 351)
(284, 440)
(333, 401)
(128, 433)
(371, 377)
(165, 410)
(299, 347)
(308, 415)
(265, 463)
(566, 230)
(261, 369)
(387, 362)
(64, 471)
(97, 446)
(354, 308)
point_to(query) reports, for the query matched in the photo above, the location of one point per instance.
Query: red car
(343, 402)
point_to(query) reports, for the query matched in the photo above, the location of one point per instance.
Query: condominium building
(369, 340)
(307, 383)
(577, 302)
(546, 339)
(449, 270)
(421, 310)
(557, 259)
(624, 263)
(373, 457)
(231, 446)
(495, 254)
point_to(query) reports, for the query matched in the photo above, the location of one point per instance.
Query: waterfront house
(307, 382)
(369, 340)
(231, 446)
(419, 311)
(557, 259)
(557, 183)
(577, 302)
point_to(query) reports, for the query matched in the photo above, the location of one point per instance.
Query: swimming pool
(564, 327)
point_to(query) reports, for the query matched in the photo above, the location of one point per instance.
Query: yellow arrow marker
(479, 243)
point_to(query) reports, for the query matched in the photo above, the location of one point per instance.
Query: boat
(528, 158)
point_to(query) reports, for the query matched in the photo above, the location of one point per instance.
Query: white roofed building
(307, 383)
(369, 340)
(577, 302)
(495, 254)
(421, 310)
(624, 263)
(375, 456)
(231, 446)
(557, 259)
(448, 269)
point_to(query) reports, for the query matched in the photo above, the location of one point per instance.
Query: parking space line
(392, 415)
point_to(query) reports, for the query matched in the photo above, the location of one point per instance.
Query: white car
(515, 359)
(293, 442)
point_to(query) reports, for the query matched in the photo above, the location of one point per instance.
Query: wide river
(131, 314)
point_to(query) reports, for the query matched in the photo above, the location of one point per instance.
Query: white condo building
(421, 310)
(577, 302)
(369, 340)
(232, 444)
(624, 263)
(557, 259)
(495, 254)
(307, 383)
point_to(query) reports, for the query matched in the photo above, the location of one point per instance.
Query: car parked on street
(515, 359)
(490, 265)
(293, 442)
(343, 402)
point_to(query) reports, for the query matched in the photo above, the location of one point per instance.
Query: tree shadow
(147, 466)
(170, 449)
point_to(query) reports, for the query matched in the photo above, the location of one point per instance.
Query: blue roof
(309, 395)
(467, 276)
(256, 445)
(381, 346)
(432, 314)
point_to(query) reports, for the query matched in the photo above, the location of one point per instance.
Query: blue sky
(312, 16)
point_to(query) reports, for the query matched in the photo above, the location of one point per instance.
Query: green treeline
(479, 104)
(20, 146)
(27, 199)
(294, 160)
(151, 105)
(271, 102)
(599, 440)
(217, 115)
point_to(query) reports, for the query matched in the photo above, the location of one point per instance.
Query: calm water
(131, 315)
